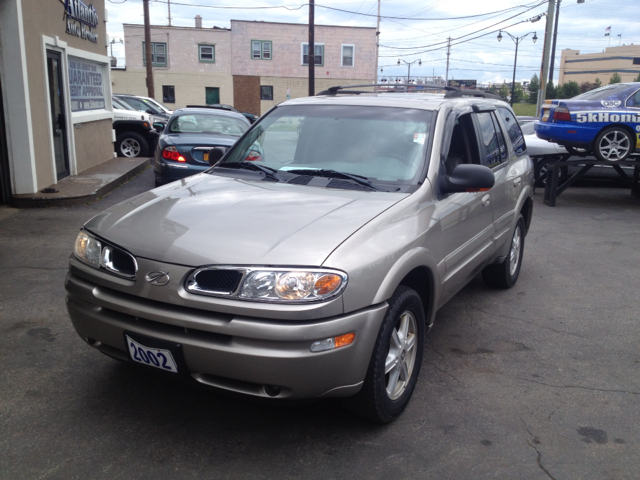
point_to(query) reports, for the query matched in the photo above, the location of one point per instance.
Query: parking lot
(539, 381)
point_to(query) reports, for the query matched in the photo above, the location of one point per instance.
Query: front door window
(58, 114)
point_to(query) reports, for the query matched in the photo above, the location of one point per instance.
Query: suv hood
(210, 219)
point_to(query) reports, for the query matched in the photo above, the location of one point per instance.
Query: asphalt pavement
(539, 381)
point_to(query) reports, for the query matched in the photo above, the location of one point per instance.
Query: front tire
(613, 145)
(131, 144)
(505, 274)
(395, 361)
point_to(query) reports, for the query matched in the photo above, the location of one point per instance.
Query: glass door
(58, 114)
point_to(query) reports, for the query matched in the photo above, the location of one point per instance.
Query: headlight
(265, 284)
(87, 249)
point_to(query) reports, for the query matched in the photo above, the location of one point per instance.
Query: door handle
(486, 200)
(517, 182)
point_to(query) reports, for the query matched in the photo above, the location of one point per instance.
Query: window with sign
(347, 55)
(261, 49)
(158, 54)
(207, 53)
(319, 54)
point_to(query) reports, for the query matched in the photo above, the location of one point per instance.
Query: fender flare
(418, 257)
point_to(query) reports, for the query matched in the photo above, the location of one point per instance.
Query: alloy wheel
(401, 358)
(514, 254)
(614, 145)
(130, 148)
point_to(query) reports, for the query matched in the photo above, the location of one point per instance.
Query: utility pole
(375, 79)
(446, 77)
(169, 8)
(548, 34)
(147, 50)
(312, 51)
(555, 37)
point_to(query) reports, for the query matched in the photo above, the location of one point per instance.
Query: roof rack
(415, 88)
(450, 92)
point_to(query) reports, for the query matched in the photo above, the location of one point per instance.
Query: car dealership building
(55, 102)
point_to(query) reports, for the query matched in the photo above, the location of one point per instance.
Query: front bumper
(236, 353)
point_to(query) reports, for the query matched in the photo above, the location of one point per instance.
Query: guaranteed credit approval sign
(86, 85)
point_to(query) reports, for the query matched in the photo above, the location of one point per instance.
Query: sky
(421, 33)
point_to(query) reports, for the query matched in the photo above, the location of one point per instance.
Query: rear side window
(494, 151)
(514, 132)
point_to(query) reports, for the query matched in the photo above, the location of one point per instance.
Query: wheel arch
(416, 269)
(527, 212)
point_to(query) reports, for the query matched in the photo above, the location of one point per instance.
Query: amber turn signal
(327, 284)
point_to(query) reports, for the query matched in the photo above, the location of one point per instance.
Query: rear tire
(131, 145)
(505, 274)
(395, 361)
(613, 144)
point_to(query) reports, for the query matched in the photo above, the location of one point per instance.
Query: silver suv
(310, 260)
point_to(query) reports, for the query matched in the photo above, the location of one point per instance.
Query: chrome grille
(119, 262)
(215, 281)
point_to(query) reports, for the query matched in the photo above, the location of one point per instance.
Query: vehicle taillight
(253, 157)
(562, 113)
(171, 153)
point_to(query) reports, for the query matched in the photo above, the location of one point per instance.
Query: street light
(517, 41)
(419, 62)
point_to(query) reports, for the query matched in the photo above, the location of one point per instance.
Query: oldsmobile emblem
(610, 103)
(158, 278)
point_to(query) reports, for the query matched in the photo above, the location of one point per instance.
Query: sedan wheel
(613, 145)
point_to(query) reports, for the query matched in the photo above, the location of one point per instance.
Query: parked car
(135, 134)
(184, 145)
(249, 116)
(146, 105)
(604, 122)
(315, 270)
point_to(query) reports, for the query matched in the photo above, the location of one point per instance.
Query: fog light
(331, 343)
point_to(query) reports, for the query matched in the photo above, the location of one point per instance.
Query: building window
(158, 54)
(168, 94)
(207, 53)
(347, 55)
(266, 92)
(318, 54)
(261, 49)
(636, 61)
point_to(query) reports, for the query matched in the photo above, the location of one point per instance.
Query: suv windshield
(379, 144)
(207, 123)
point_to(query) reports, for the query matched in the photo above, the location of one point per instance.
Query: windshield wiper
(268, 171)
(336, 174)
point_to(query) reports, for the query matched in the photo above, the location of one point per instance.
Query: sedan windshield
(380, 145)
(207, 123)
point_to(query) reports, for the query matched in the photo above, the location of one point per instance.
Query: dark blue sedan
(183, 147)
(604, 122)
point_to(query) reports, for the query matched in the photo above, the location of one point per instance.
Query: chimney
(198, 21)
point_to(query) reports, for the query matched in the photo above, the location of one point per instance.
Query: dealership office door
(212, 95)
(5, 182)
(58, 114)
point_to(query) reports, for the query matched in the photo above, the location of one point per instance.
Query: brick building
(624, 60)
(252, 66)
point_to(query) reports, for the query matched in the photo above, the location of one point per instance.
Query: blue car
(604, 122)
(184, 145)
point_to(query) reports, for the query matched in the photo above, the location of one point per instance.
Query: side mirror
(215, 154)
(151, 112)
(159, 126)
(467, 178)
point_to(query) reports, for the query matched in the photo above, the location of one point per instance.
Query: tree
(586, 86)
(571, 89)
(534, 86)
(518, 93)
(615, 78)
(637, 79)
(597, 83)
(504, 91)
(551, 91)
